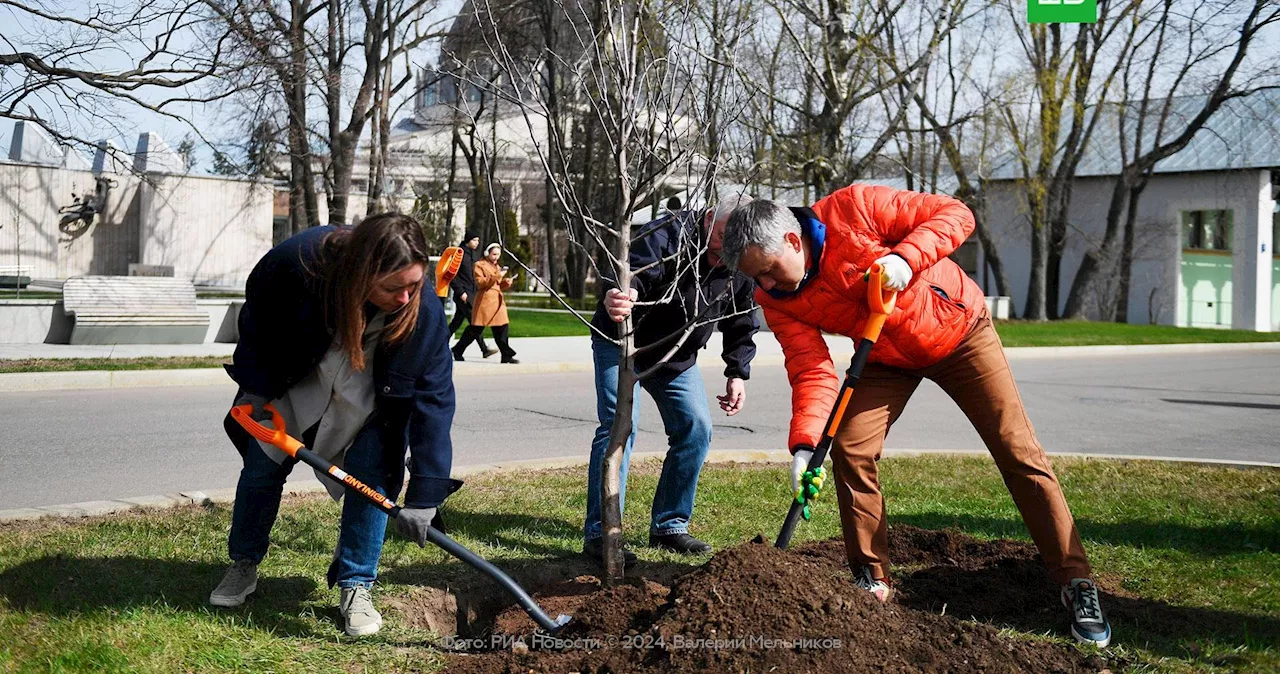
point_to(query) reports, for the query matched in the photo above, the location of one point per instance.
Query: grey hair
(760, 223)
(725, 207)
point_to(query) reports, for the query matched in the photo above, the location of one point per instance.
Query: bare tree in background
(1070, 79)
(842, 47)
(54, 72)
(1196, 48)
(339, 57)
(958, 111)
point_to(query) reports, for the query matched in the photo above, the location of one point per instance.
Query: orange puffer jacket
(936, 311)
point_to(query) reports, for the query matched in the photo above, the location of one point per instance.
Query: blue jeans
(363, 525)
(682, 401)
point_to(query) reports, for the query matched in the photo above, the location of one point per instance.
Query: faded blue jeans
(363, 526)
(682, 401)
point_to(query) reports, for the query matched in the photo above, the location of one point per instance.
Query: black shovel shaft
(436, 536)
(820, 452)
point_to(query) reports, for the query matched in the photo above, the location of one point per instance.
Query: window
(1206, 230)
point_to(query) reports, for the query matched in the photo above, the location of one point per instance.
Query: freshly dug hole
(754, 608)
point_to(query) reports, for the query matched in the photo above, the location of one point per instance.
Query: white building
(1205, 230)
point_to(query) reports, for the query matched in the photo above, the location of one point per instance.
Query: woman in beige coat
(490, 307)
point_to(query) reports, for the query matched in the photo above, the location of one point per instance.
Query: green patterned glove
(810, 487)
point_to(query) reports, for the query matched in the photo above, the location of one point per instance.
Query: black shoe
(489, 352)
(594, 549)
(681, 543)
(457, 356)
(511, 361)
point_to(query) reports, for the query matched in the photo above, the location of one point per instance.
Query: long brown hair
(356, 257)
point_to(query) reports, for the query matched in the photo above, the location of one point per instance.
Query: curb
(779, 457)
(15, 382)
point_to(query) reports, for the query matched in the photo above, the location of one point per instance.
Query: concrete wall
(30, 197)
(34, 322)
(1158, 240)
(211, 230)
(45, 321)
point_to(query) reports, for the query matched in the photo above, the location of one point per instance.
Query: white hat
(491, 247)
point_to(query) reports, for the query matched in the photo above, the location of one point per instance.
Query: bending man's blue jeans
(363, 526)
(682, 401)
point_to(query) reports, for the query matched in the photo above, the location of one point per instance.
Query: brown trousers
(978, 378)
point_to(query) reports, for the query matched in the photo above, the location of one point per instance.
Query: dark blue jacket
(283, 337)
(696, 295)
(465, 280)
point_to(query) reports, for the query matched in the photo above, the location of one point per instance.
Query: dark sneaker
(511, 361)
(358, 613)
(594, 549)
(876, 586)
(239, 582)
(1088, 622)
(489, 352)
(456, 355)
(681, 543)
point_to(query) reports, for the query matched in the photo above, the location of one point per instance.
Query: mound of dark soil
(754, 608)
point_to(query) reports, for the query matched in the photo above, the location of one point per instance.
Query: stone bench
(133, 310)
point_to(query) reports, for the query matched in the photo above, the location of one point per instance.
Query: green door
(1275, 292)
(1204, 298)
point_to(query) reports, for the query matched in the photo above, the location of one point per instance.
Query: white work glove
(897, 273)
(799, 463)
(618, 305)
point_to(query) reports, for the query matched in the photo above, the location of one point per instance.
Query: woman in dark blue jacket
(337, 333)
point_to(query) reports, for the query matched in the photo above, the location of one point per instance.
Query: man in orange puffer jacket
(809, 266)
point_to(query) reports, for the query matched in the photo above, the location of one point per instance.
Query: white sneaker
(358, 612)
(878, 588)
(239, 582)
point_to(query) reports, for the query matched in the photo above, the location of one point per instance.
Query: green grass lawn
(1079, 333)
(126, 593)
(545, 324)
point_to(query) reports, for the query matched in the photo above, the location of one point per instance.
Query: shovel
(881, 303)
(446, 269)
(277, 437)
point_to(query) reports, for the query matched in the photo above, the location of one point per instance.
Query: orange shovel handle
(447, 269)
(880, 300)
(276, 437)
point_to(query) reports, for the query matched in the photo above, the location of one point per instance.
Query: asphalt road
(70, 446)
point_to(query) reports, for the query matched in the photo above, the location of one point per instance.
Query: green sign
(1062, 11)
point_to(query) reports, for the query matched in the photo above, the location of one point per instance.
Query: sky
(120, 54)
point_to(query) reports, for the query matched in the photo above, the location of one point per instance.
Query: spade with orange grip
(278, 437)
(447, 268)
(881, 302)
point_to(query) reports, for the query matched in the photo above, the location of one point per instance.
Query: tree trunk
(1036, 297)
(1126, 254)
(1094, 260)
(453, 172)
(553, 158)
(612, 482)
(1057, 244)
(303, 205)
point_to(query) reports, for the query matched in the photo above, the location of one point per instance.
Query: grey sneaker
(358, 612)
(239, 582)
(1088, 621)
